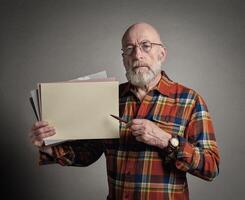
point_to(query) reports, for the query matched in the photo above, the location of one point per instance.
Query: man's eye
(129, 48)
(146, 45)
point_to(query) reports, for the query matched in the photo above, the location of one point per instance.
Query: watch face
(174, 142)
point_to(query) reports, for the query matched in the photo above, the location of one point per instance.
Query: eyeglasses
(146, 46)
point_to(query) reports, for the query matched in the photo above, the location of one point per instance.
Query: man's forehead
(140, 33)
(138, 38)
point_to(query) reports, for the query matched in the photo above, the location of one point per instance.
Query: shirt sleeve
(74, 153)
(198, 152)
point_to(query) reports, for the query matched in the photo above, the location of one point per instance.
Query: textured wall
(60, 40)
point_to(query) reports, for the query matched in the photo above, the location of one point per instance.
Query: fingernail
(52, 133)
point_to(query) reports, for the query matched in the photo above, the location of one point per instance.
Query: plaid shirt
(139, 171)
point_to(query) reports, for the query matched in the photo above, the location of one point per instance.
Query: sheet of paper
(34, 96)
(33, 107)
(102, 76)
(52, 142)
(99, 75)
(81, 110)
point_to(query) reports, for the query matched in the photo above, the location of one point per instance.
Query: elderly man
(169, 133)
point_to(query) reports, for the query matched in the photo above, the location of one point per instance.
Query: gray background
(60, 40)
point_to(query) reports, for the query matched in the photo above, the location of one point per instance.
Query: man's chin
(141, 79)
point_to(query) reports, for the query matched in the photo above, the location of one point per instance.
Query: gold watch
(173, 144)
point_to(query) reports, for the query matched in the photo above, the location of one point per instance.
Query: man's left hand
(146, 131)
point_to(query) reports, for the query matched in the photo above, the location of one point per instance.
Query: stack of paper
(78, 109)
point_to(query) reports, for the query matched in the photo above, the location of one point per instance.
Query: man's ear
(163, 54)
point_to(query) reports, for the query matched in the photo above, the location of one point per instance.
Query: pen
(120, 119)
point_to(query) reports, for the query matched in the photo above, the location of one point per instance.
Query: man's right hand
(39, 131)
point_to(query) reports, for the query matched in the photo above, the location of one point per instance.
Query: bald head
(141, 31)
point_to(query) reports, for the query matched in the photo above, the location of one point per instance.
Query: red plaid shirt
(139, 171)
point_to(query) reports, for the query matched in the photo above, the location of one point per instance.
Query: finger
(45, 135)
(39, 139)
(38, 143)
(138, 121)
(39, 124)
(136, 127)
(128, 125)
(134, 122)
(139, 138)
(43, 130)
(137, 133)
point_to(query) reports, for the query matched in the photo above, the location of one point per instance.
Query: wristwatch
(173, 143)
(173, 146)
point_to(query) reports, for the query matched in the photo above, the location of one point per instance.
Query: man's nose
(137, 53)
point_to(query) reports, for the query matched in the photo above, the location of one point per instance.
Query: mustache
(137, 63)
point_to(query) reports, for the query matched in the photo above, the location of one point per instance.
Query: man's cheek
(126, 64)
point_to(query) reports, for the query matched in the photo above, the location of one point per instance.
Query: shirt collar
(164, 86)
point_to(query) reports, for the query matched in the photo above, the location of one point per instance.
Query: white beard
(143, 78)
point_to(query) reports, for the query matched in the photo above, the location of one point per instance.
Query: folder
(79, 109)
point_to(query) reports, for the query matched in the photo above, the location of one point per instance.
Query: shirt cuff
(62, 154)
(45, 158)
(185, 154)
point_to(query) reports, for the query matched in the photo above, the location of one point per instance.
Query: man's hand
(146, 131)
(39, 131)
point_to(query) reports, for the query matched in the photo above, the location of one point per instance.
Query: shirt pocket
(168, 126)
